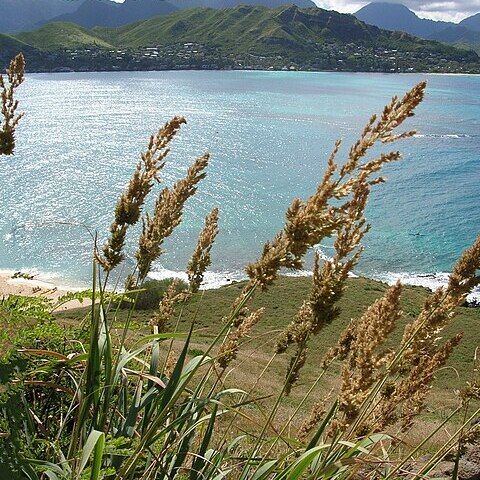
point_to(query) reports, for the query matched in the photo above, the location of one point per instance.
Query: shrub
(152, 293)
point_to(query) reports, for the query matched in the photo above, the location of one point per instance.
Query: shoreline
(37, 288)
(363, 72)
(38, 285)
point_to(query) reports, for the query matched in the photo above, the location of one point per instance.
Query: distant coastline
(53, 288)
(250, 37)
(67, 71)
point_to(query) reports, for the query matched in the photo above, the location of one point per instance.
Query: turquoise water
(269, 135)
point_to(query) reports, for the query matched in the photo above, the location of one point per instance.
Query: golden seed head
(130, 204)
(8, 117)
(166, 308)
(229, 348)
(167, 215)
(200, 259)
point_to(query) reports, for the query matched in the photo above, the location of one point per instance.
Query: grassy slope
(282, 301)
(247, 27)
(59, 35)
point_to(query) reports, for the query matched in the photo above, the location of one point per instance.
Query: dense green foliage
(152, 292)
(261, 29)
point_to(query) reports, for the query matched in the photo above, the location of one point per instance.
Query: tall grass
(112, 408)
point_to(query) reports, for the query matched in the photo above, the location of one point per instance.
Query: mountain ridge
(108, 13)
(22, 15)
(17, 15)
(396, 16)
(472, 23)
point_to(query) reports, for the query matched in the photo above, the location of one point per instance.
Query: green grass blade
(298, 468)
(47, 465)
(266, 470)
(199, 461)
(97, 458)
(51, 475)
(321, 429)
(177, 373)
(90, 445)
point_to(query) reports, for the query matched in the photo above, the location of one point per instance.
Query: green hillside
(10, 46)
(60, 35)
(7, 41)
(250, 36)
(263, 30)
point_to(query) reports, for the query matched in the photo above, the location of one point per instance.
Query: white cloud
(455, 10)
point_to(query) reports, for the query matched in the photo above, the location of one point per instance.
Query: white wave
(432, 281)
(297, 273)
(438, 135)
(323, 256)
(211, 280)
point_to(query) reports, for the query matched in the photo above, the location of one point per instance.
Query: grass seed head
(8, 117)
(167, 215)
(229, 348)
(166, 308)
(130, 204)
(200, 259)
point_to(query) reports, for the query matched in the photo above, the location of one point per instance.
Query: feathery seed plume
(407, 398)
(422, 353)
(314, 418)
(323, 215)
(201, 255)
(229, 349)
(15, 77)
(421, 337)
(309, 222)
(166, 308)
(365, 361)
(170, 364)
(167, 215)
(130, 204)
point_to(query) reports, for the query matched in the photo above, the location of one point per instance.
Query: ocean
(269, 134)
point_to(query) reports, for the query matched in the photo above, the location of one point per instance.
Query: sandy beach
(36, 288)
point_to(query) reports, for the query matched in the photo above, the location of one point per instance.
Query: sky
(449, 10)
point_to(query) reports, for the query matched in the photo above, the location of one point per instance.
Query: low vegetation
(113, 396)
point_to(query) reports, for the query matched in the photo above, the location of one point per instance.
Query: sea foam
(432, 281)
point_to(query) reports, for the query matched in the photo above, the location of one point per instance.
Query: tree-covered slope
(458, 35)
(472, 23)
(243, 28)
